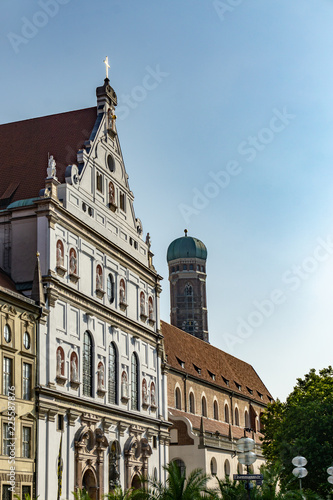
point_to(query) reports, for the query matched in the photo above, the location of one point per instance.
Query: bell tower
(186, 258)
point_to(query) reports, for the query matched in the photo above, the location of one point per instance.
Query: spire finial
(185, 231)
(107, 66)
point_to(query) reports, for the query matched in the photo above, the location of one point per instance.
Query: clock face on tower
(190, 326)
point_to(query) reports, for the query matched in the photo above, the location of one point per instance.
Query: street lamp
(330, 475)
(246, 456)
(299, 471)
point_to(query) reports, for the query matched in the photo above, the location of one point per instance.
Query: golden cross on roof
(107, 66)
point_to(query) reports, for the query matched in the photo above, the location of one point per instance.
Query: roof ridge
(47, 116)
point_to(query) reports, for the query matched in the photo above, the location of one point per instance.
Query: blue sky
(243, 94)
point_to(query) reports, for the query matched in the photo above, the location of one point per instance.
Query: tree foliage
(303, 425)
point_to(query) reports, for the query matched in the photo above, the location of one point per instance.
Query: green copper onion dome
(186, 247)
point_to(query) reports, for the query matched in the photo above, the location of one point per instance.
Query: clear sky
(225, 121)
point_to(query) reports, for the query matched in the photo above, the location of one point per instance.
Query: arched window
(260, 424)
(226, 413)
(181, 466)
(192, 403)
(151, 308)
(239, 468)
(188, 289)
(87, 366)
(72, 261)
(178, 399)
(246, 419)
(113, 375)
(236, 416)
(213, 466)
(203, 407)
(60, 254)
(99, 277)
(110, 288)
(226, 468)
(60, 362)
(134, 382)
(216, 410)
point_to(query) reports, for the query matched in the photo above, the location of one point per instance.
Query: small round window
(26, 340)
(7, 333)
(111, 164)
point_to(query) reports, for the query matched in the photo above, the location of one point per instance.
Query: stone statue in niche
(99, 279)
(150, 308)
(51, 170)
(72, 261)
(60, 254)
(100, 376)
(124, 385)
(152, 394)
(111, 194)
(144, 392)
(142, 304)
(74, 371)
(122, 292)
(60, 363)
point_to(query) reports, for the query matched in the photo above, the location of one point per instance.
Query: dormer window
(182, 363)
(197, 369)
(239, 387)
(260, 395)
(250, 390)
(226, 381)
(212, 375)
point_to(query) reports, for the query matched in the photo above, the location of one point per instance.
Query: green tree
(178, 486)
(303, 425)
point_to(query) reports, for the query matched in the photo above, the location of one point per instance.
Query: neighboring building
(19, 317)
(100, 386)
(213, 397)
(186, 258)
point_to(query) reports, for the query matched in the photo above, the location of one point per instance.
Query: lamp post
(246, 456)
(299, 471)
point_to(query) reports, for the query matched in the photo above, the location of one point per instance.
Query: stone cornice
(80, 406)
(58, 290)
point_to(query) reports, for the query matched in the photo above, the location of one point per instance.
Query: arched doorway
(136, 483)
(89, 484)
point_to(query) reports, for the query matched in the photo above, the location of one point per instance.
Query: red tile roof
(6, 281)
(183, 349)
(25, 146)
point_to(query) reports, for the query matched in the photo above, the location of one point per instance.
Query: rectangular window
(7, 375)
(26, 490)
(26, 382)
(5, 439)
(99, 182)
(26, 442)
(122, 201)
(60, 424)
(6, 492)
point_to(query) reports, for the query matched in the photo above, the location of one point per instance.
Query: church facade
(101, 391)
